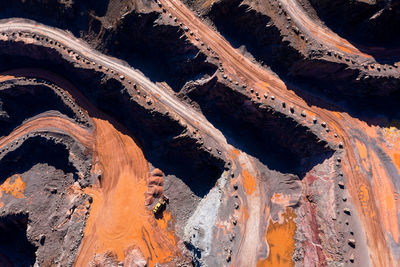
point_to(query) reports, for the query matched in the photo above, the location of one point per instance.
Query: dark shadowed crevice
(262, 39)
(276, 140)
(197, 169)
(36, 150)
(196, 253)
(361, 22)
(157, 50)
(328, 81)
(157, 134)
(15, 248)
(68, 15)
(26, 101)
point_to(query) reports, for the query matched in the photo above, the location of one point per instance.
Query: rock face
(199, 133)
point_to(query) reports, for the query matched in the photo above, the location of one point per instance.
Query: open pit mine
(199, 133)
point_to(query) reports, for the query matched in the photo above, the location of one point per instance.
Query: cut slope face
(374, 22)
(162, 137)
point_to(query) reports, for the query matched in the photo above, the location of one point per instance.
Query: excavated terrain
(199, 133)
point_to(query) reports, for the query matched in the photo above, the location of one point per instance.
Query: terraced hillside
(199, 133)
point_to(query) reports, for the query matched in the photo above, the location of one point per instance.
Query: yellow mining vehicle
(160, 205)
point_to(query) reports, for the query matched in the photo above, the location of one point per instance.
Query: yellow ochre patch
(14, 186)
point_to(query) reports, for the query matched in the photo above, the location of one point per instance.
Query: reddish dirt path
(239, 67)
(52, 124)
(256, 207)
(253, 213)
(118, 218)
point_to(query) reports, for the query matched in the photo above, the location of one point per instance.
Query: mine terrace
(199, 133)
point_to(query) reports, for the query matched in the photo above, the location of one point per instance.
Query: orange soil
(363, 196)
(249, 182)
(382, 187)
(235, 152)
(371, 198)
(281, 199)
(245, 214)
(281, 242)
(6, 77)
(238, 66)
(53, 123)
(344, 49)
(119, 218)
(397, 160)
(384, 194)
(14, 186)
(363, 153)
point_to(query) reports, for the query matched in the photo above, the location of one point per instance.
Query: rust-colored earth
(203, 155)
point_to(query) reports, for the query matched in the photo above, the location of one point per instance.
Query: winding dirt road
(120, 198)
(328, 38)
(117, 172)
(82, 48)
(95, 239)
(50, 124)
(239, 67)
